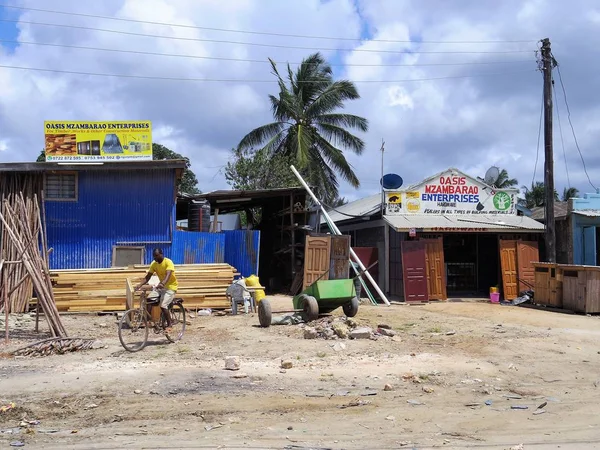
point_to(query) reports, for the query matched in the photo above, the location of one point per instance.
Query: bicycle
(136, 322)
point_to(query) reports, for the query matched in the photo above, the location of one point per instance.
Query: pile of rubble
(344, 328)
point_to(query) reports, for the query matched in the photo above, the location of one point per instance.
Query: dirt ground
(456, 370)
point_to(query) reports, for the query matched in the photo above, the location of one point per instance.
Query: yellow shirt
(161, 271)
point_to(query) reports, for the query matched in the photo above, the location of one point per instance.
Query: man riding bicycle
(167, 287)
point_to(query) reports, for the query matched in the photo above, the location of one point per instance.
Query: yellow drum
(253, 280)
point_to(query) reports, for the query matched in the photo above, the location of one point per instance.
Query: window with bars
(61, 187)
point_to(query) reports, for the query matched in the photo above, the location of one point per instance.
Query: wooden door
(508, 264)
(339, 264)
(316, 259)
(434, 260)
(414, 271)
(527, 253)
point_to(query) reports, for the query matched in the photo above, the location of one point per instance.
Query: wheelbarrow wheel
(265, 314)
(310, 307)
(351, 308)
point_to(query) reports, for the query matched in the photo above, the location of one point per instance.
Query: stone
(286, 364)
(427, 390)
(232, 363)
(351, 322)
(341, 330)
(137, 391)
(384, 326)
(240, 375)
(310, 333)
(339, 346)
(386, 332)
(361, 333)
(388, 387)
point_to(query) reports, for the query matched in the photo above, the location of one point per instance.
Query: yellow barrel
(259, 294)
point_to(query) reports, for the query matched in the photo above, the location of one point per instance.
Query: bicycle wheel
(133, 330)
(177, 312)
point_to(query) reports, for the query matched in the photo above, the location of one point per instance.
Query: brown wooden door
(316, 259)
(527, 253)
(414, 271)
(339, 265)
(434, 260)
(508, 264)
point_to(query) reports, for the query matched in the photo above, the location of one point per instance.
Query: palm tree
(308, 127)
(536, 195)
(570, 193)
(503, 181)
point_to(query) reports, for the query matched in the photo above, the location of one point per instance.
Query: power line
(224, 80)
(537, 153)
(256, 44)
(78, 47)
(562, 140)
(571, 124)
(261, 33)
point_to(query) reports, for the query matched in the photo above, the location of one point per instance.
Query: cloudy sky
(444, 83)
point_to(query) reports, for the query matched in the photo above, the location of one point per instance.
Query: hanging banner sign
(458, 194)
(98, 141)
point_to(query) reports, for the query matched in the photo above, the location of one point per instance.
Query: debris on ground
(388, 387)
(288, 319)
(286, 364)
(331, 328)
(357, 402)
(8, 407)
(232, 363)
(58, 346)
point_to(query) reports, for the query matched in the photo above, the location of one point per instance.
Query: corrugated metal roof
(560, 211)
(480, 222)
(160, 164)
(356, 209)
(588, 212)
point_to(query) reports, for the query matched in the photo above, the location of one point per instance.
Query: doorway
(488, 269)
(460, 254)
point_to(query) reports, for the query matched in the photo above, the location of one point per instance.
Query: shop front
(452, 235)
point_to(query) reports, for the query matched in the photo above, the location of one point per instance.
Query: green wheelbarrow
(321, 297)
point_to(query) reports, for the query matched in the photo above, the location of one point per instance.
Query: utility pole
(547, 64)
(381, 180)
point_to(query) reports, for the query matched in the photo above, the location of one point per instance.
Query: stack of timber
(104, 290)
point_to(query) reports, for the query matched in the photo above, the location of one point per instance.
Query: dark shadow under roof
(41, 167)
(231, 200)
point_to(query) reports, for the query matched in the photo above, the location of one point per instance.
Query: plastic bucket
(495, 297)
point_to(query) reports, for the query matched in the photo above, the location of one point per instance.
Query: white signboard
(453, 193)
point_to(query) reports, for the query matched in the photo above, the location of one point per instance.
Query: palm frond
(332, 98)
(259, 135)
(338, 136)
(336, 159)
(344, 120)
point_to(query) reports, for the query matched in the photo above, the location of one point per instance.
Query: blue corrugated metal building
(113, 214)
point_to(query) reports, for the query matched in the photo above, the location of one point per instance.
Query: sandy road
(447, 361)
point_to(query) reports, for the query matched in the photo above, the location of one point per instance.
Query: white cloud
(470, 123)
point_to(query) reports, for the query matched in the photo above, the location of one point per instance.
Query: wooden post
(293, 230)
(548, 64)
(215, 221)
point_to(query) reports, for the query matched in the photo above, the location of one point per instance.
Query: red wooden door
(415, 271)
(527, 253)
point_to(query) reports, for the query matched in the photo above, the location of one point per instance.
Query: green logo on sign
(502, 201)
